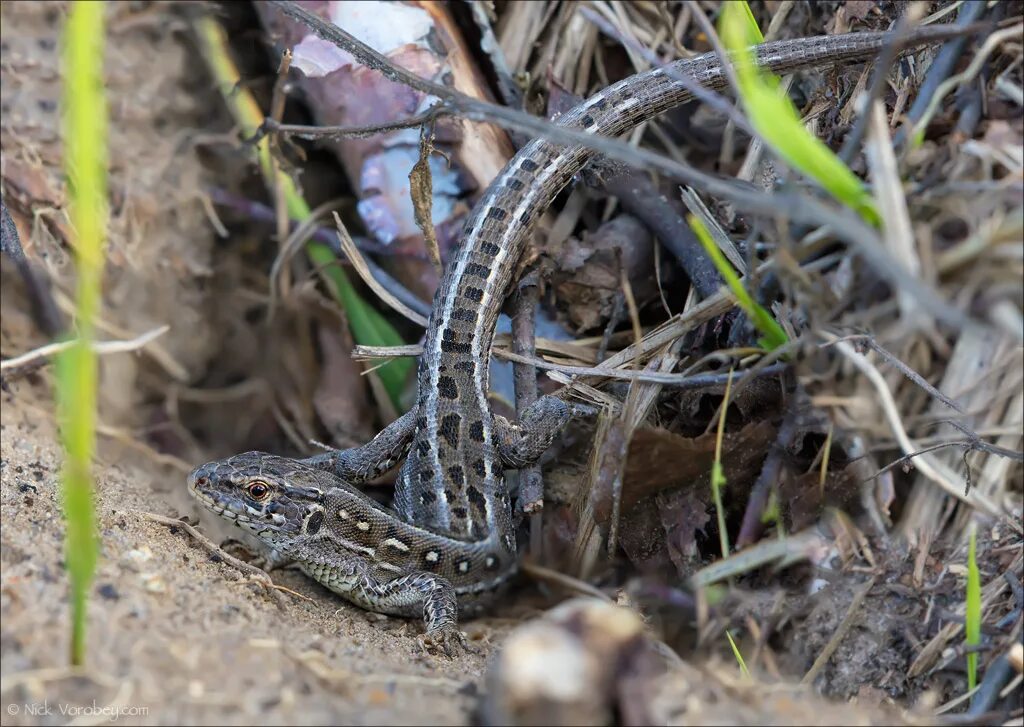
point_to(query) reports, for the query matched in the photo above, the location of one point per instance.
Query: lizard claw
(447, 639)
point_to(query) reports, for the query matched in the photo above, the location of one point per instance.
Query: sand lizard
(449, 542)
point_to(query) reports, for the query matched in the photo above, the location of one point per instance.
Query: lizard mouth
(225, 506)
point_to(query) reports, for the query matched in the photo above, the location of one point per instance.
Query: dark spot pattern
(480, 271)
(497, 213)
(423, 447)
(459, 512)
(429, 496)
(315, 521)
(588, 120)
(476, 499)
(476, 431)
(426, 474)
(458, 477)
(467, 366)
(480, 467)
(449, 429)
(528, 165)
(450, 346)
(490, 249)
(465, 314)
(447, 388)
(514, 184)
(473, 294)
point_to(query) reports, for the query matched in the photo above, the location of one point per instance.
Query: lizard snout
(200, 478)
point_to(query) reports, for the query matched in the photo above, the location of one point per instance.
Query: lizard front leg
(522, 444)
(372, 459)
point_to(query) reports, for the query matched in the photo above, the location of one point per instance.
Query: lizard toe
(447, 639)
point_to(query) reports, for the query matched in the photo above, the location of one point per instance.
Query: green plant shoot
(718, 480)
(778, 122)
(85, 161)
(736, 653)
(772, 334)
(972, 622)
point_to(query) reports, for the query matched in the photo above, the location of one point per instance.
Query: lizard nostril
(202, 481)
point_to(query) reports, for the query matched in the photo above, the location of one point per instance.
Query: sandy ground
(176, 637)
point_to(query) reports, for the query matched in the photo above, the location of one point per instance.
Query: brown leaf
(659, 459)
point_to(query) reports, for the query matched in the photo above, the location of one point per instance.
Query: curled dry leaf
(587, 277)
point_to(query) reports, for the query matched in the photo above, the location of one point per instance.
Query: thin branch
(869, 342)
(271, 126)
(102, 348)
(359, 264)
(531, 484)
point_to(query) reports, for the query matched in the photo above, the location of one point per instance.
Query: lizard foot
(447, 639)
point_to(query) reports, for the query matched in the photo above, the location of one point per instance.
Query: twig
(752, 526)
(352, 253)
(840, 632)
(291, 242)
(897, 229)
(259, 575)
(351, 132)
(678, 381)
(869, 342)
(802, 545)
(262, 213)
(101, 348)
(548, 575)
(524, 373)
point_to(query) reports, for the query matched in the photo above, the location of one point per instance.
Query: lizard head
(275, 498)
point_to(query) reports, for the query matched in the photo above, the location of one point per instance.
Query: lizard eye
(258, 491)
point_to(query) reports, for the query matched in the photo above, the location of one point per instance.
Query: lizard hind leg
(522, 444)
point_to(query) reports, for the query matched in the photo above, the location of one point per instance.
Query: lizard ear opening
(314, 522)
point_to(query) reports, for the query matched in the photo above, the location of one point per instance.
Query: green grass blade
(369, 326)
(772, 334)
(718, 481)
(736, 653)
(752, 30)
(85, 159)
(778, 122)
(972, 625)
